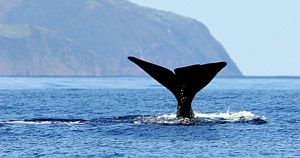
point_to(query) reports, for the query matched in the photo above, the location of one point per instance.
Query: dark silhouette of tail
(184, 83)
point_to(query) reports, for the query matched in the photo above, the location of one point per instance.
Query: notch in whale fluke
(184, 83)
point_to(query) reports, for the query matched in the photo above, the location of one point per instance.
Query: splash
(203, 119)
(165, 119)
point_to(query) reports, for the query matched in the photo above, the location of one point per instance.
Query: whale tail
(185, 83)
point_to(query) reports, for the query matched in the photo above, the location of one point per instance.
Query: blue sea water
(135, 117)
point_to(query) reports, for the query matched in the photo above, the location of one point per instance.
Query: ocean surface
(136, 117)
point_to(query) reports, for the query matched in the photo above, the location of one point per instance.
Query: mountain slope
(28, 50)
(101, 34)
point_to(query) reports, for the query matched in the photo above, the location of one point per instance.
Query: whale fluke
(185, 83)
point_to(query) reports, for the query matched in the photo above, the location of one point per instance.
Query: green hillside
(94, 38)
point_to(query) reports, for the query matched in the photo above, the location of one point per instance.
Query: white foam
(200, 118)
(42, 122)
(231, 117)
(165, 119)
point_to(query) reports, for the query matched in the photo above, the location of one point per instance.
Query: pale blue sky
(261, 36)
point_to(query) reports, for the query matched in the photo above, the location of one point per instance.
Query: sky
(261, 36)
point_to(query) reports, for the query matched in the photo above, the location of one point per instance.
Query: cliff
(94, 38)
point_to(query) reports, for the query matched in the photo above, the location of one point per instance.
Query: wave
(48, 121)
(204, 119)
(165, 119)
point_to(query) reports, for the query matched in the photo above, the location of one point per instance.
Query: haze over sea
(135, 117)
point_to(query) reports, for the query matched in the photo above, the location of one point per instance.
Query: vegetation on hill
(94, 38)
